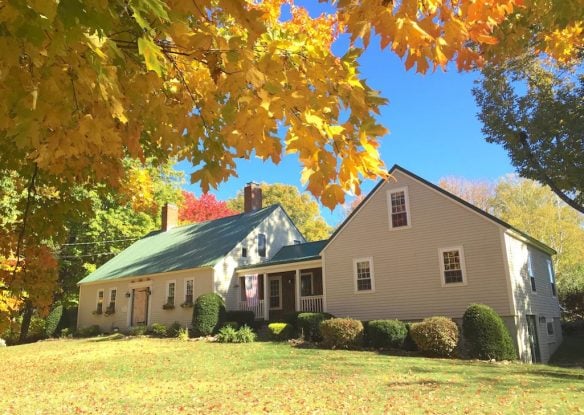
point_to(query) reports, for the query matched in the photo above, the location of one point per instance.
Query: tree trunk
(26, 318)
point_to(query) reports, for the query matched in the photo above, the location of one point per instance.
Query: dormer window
(399, 208)
(262, 245)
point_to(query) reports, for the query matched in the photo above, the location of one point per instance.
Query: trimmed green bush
(90, 331)
(208, 313)
(52, 320)
(485, 334)
(138, 330)
(243, 318)
(436, 336)
(36, 329)
(309, 324)
(281, 331)
(173, 330)
(383, 334)
(158, 330)
(341, 333)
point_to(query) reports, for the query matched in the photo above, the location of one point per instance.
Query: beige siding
(540, 303)
(203, 283)
(279, 231)
(408, 280)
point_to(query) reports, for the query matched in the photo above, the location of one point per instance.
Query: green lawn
(152, 376)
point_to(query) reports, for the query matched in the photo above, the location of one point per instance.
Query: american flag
(251, 289)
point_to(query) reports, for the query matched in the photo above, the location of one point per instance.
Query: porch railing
(257, 308)
(312, 304)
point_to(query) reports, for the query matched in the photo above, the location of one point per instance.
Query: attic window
(530, 272)
(399, 208)
(262, 245)
(244, 252)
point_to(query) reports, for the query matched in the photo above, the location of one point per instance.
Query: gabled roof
(446, 193)
(293, 253)
(190, 246)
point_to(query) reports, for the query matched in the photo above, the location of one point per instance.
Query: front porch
(284, 291)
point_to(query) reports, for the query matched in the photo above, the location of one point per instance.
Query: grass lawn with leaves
(155, 376)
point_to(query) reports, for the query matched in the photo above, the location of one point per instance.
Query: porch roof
(308, 251)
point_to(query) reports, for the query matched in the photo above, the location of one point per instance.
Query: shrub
(341, 333)
(173, 329)
(309, 324)
(437, 336)
(90, 331)
(227, 334)
(386, 333)
(138, 330)
(158, 330)
(208, 312)
(233, 324)
(36, 329)
(182, 334)
(245, 335)
(485, 334)
(243, 318)
(281, 331)
(52, 320)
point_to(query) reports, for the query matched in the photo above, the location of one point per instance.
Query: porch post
(297, 290)
(266, 298)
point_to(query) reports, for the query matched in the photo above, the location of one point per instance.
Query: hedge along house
(412, 250)
(157, 278)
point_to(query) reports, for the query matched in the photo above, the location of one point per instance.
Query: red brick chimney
(169, 216)
(252, 197)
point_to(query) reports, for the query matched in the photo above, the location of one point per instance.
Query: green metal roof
(293, 253)
(191, 246)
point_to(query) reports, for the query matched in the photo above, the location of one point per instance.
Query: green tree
(301, 207)
(535, 111)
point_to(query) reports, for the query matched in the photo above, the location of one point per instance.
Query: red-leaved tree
(207, 207)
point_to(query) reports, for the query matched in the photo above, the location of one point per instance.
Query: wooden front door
(533, 339)
(140, 306)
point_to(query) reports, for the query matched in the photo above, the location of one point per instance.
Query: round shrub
(90, 331)
(158, 330)
(485, 334)
(208, 312)
(281, 331)
(386, 333)
(436, 336)
(52, 320)
(341, 333)
(309, 324)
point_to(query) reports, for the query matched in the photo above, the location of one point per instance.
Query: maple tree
(206, 207)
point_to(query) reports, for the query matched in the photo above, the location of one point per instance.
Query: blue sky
(434, 131)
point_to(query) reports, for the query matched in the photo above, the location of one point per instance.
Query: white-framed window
(398, 204)
(275, 286)
(550, 326)
(99, 306)
(112, 300)
(306, 284)
(552, 276)
(189, 290)
(262, 245)
(170, 292)
(364, 276)
(452, 266)
(530, 272)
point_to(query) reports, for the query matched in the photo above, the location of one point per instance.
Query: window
(306, 284)
(170, 293)
(399, 208)
(550, 327)
(244, 252)
(552, 276)
(453, 267)
(99, 308)
(363, 269)
(275, 293)
(530, 271)
(262, 245)
(112, 302)
(189, 284)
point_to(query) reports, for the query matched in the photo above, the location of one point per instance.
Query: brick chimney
(252, 197)
(169, 216)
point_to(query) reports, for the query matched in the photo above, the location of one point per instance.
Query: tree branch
(543, 175)
(30, 192)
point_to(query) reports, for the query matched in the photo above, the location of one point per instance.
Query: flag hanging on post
(251, 289)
